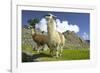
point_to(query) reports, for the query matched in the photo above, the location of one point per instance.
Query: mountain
(73, 41)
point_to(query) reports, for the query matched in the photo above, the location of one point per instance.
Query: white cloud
(85, 36)
(62, 26)
(42, 25)
(74, 28)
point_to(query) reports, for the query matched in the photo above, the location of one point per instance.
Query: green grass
(76, 54)
(68, 54)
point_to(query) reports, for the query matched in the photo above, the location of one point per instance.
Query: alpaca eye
(47, 15)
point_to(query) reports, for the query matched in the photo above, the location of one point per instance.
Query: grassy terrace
(68, 54)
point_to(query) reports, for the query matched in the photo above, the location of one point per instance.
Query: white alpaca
(56, 40)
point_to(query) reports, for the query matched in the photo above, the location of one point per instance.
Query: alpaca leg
(43, 48)
(38, 49)
(34, 48)
(61, 50)
(57, 52)
(51, 52)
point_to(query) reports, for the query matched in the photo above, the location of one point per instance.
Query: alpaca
(41, 40)
(56, 39)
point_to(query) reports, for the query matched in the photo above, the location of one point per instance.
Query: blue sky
(82, 20)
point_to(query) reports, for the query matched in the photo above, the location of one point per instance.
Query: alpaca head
(50, 16)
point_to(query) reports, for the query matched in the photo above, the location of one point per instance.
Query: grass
(68, 54)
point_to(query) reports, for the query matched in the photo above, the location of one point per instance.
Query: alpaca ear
(54, 17)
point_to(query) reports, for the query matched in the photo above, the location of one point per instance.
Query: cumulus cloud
(62, 26)
(74, 28)
(42, 25)
(85, 36)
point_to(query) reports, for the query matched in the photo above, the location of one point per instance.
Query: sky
(77, 22)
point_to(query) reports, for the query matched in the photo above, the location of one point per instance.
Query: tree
(33, 22)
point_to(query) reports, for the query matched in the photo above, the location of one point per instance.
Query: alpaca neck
(32, 31)
(51, 27)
